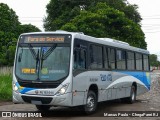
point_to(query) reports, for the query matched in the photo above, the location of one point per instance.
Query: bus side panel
(143, 81)
(111, 85)
(122, 82)
(109, 94)
(119, 86)
(146, 80)
(121, 92)
(79, 90)
(83, 81)
(141, 89)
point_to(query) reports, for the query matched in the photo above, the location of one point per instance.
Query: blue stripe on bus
(23, 90)
(144, 77)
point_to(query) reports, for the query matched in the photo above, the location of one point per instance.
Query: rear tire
(91, 103)
(132, 97)
(43, 107)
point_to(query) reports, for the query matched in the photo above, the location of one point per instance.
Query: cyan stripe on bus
(23, 90)
(26, 90)
(142, 76)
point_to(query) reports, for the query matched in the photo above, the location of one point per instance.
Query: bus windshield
(42, 62)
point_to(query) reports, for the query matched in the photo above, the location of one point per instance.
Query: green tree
(8, 19)
(10, 29)
(108, 18)
(154, 60)
(62, 11)
(104, 21)
(28, 28)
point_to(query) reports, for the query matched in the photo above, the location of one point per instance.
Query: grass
(5, 87)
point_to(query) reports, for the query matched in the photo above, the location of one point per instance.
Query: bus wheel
(43, 107)
(91, 103)
(132, 97)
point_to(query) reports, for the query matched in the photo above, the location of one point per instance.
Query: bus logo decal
(106, 77)
(109, 77)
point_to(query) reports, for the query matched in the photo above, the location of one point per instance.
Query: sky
(150, 13)
(34, 11)
(29, 11)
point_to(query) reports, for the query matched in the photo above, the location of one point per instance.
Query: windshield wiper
(45, 56)
(32, 51)
(35, 56)
(49, 52)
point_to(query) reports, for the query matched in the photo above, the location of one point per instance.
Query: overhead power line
(30, 17)
(153, 32)
(151, 16)
(150, 25)
(151, 19)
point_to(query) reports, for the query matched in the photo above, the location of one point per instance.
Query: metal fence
(6, 70)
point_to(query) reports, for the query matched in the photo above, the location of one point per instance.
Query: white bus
(72, 69)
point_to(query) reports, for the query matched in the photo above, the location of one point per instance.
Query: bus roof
(104, 41)
(112, 42)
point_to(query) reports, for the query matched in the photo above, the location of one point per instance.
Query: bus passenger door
(111, 66)
(79, 76)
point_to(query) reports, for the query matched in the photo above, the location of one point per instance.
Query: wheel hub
(90, 102)
(133, 96)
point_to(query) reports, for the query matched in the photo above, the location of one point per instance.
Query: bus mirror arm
(20, 57)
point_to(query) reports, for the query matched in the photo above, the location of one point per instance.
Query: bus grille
(44, 100)
(38, 85)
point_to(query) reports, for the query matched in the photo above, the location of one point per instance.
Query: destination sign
(45, 38)
(37, 39)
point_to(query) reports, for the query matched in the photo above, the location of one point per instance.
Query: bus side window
(111, 56)
(130, 61)
(106, 60)
(96, 61)
(79, 59)
(138, 61)
(145, 62)
(120, 59)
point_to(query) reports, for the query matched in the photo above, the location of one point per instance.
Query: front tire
(91, 103)
(43, 107)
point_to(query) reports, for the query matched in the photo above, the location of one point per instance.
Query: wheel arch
(94, 88)
(135, 85)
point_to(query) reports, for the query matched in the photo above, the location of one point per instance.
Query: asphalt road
(150, 101)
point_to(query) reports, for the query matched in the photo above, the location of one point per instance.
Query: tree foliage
(104, 21)
(62, 11)
(154, 60)
(105, 18)
(8, 19)
(10, 29)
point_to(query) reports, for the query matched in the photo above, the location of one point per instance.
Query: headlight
(63, 89)
(15, 88)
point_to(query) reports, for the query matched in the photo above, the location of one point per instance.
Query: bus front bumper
(61, 100)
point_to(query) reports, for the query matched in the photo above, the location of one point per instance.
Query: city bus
(75, 70)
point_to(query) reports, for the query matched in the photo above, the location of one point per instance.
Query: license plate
(36, 102)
